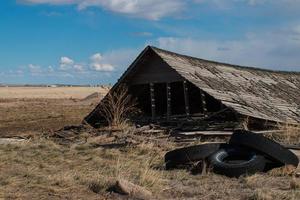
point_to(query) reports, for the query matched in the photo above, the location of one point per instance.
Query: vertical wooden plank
(152, 96)
(203, 103)
(168, 101)
(186, 98)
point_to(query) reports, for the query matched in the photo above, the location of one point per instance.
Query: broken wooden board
(215, 133)
(11, 141)
(201, 133)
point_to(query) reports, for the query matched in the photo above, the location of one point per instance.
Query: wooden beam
(186, 98)
(152, 96)
(168, 101)
(203, 102)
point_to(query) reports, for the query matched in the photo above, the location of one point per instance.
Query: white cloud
(79, 67)
(102, 67)
(54, 2)
(50, 69)
(96, 62)
(97, 57)
(66, 60)
(98, 68)
(98, 65)
(19, 71)
(66, 63)
(249, 2)
(149, 9)
(157, 9)
(121, 58)
(38, 70)
(35, 69)
(143, 34)
(275, 50)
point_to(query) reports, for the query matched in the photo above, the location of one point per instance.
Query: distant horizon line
(53, 85)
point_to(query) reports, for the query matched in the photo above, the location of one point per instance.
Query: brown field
(30, 111)
(48, 92)
(82, 163)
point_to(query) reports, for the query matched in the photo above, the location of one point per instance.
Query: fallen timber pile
(246, 153)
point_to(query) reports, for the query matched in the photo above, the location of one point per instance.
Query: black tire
(191, 154)
(271, 149)
(234, 162)
(270, 164)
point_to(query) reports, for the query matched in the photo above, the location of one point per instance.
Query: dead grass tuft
(117, 106)
(295, 184)
(143, 173)
(287, 134)
(260, 194)
(245, 123)
(287, 170)
(252, 181)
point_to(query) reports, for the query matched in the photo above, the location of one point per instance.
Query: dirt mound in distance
(95, 95)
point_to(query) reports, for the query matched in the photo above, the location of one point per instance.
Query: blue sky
(93, 41)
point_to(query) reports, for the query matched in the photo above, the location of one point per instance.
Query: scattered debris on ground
(11, 140)
(125, 187)
(84, 162)
(246, 153)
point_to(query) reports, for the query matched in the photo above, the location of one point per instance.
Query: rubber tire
(253, 162)
(270, 164)
(191, 154)
(270, 148)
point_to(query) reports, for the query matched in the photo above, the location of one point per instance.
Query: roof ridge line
(242, 67)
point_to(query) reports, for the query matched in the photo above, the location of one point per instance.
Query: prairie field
(32, 110)
(49, 92)
(62, 159)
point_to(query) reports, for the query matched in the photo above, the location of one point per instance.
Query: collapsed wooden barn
(171, 88)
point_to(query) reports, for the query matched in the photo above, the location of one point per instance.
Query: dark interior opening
(142, 95)
(212, 104)
(195, 101)
(194, 95)
(177, 98)
(160, 92)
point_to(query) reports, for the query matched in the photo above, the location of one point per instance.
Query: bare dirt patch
(33, 116)
(29, 111)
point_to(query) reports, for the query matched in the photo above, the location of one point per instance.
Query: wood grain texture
(264, 94)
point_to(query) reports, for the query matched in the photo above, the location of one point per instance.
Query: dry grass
(295, 184)
(288, 134)
(49, 93)
(267, 186)
(291, 133)
(41, 169)
(245, 123)
(117, 106)
(287, 170)
(261, 195)
(40, 166)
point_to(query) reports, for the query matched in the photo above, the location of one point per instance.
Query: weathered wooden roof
(264, 94)
(259, 93)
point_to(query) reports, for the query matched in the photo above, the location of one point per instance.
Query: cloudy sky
(93, 41)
